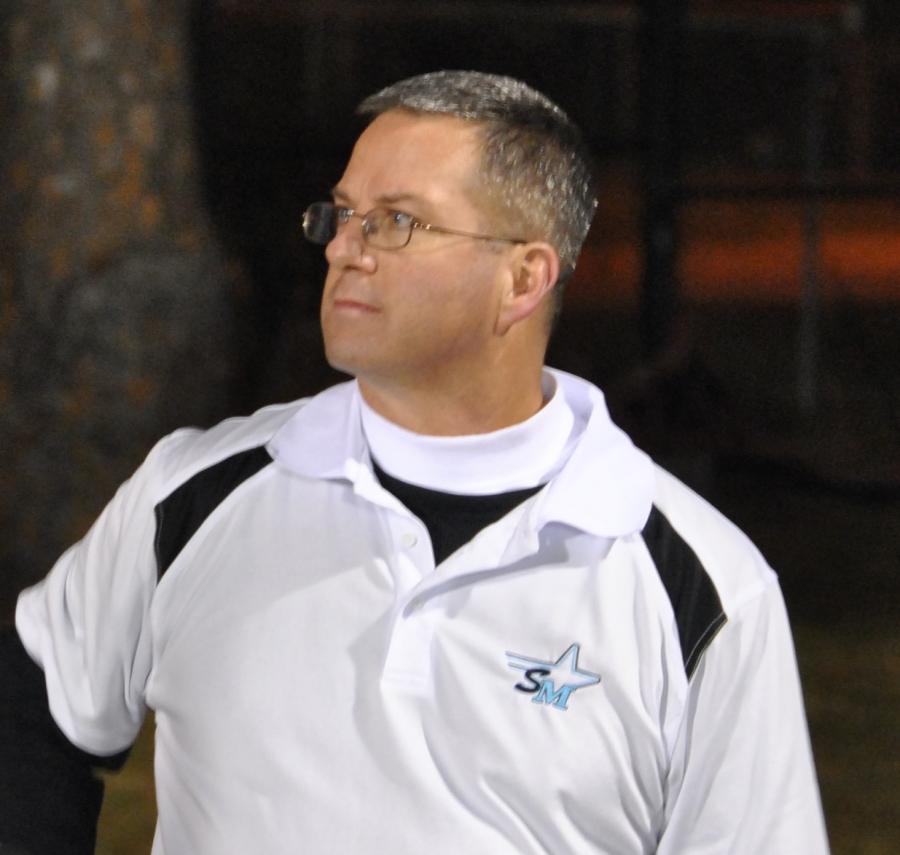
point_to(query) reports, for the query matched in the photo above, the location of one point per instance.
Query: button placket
(408, 663)
(407, 660)
(411, 542)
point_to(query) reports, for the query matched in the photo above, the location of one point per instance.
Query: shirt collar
(605, 486)
(324, 438)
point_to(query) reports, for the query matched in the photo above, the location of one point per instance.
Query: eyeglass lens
(380, 227)
(320, 222)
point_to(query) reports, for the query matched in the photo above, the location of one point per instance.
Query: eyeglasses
(382, 228)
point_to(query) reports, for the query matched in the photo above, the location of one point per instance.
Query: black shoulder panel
(180, 514)
(698, 609)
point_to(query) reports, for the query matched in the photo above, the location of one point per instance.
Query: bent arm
(72, 675)
(50, 795)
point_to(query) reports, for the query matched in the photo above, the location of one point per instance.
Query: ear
(532, 272)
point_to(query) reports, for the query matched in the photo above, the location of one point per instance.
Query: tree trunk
(115, 316)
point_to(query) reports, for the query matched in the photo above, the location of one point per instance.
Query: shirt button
(409, 540)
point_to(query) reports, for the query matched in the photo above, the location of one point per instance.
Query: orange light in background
(733, 252)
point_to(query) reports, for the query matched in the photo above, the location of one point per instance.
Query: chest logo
(552, 683)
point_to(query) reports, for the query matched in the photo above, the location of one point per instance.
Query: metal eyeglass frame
(340, 215)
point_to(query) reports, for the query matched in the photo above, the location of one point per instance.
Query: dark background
(738, 299)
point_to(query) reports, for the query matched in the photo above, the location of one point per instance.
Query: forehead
(402, 154)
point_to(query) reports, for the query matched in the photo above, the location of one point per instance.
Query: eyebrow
(395, 198)
(388, 199)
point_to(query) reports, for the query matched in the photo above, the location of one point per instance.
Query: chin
(346, 359)
(340, 362)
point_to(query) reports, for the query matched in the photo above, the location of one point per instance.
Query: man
(447, 606)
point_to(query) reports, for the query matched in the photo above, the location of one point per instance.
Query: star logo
(552, 683)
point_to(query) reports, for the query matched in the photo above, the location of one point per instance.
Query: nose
(348, 248)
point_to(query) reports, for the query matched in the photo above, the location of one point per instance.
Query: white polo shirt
(606, 669)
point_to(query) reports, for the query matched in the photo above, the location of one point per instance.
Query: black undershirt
(50, 796)
(451, 519)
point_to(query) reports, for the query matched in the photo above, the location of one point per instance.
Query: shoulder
(684, 521)
(198, 470)
(305, 429)
(708, 567)
(188, 452)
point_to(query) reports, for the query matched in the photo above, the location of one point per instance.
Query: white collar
(605, 486)
(513, 458)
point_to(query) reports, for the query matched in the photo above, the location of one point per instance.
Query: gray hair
(535, 163)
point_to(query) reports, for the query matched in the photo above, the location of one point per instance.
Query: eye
(399, 220)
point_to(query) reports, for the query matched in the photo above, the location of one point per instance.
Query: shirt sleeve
(742, 778)
(87, 623)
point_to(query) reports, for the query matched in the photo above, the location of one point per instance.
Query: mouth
(347, 304)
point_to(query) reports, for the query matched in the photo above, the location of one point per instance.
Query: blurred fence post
(813, 163)
(661, 39)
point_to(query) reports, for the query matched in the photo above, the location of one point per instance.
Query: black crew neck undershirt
(451, 519)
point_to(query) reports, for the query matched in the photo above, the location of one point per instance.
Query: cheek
(462, 306)
(472, 291)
